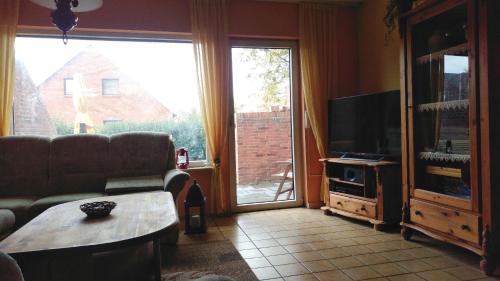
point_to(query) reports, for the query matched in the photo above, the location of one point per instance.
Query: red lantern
(182, 158)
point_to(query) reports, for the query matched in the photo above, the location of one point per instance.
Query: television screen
(369, 124)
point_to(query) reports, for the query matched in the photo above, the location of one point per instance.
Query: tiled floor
(303, 244)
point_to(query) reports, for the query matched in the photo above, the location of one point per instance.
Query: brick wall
(262, 139)
(30, 116)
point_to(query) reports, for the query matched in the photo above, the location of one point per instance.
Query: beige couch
(37, 173)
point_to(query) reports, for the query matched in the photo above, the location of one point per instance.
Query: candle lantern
(194, 210)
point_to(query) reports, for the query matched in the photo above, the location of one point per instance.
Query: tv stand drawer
(353, 205)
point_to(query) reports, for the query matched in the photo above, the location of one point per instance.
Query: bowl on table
(98, 209)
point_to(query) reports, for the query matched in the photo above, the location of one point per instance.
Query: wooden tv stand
(364, 190)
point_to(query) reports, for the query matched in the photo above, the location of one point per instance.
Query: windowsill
(198, 168)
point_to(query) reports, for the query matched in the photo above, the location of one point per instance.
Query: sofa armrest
(175, 181)
(7, 221)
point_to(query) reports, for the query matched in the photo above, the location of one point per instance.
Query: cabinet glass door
(441, 135)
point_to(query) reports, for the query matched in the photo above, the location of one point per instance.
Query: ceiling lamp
(62, 14)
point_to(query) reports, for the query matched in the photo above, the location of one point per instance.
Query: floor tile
(466, 273)
(441, 262)
(437, 275)
(357, 250)
(398, 255)
(259, 236)
(369, 259)
(318, 266)
(273, 251)
(266, 243)
(406, 277)
(291, 269)
(308, 256)
(281, 259)
(244, 245)
(297, 248)
(422, 252)
(388, 269)
(304, 277)
(264, 273)
(333, 275)
(361, 273)
(257, 262)
(252, 253)
(334, 253)
(346, 262)
(415, 265)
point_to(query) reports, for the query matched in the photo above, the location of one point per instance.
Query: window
(110, 87)
(157, 88)
(111, 120)
(68, 86)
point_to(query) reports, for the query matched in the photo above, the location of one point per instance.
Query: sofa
(37, 173)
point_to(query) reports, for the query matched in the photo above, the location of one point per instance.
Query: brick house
(111, 95)
(30, 115)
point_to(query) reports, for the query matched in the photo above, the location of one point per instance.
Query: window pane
(69, 85)
(110, 87)
(65, 89)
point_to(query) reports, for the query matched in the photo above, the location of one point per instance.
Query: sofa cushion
(138, 154)
(10, 269)
(78, 164)
(20, 206)
(7, 221)
(44, 203)
(134, 184)
(23, 166)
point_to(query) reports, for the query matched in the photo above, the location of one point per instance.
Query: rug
(192, 261)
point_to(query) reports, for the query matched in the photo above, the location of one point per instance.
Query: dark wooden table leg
(157, 259)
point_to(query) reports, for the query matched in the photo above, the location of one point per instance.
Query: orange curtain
(211, 49)
(9, 11)
(317, 57)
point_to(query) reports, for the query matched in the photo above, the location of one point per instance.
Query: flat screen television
(365, 126)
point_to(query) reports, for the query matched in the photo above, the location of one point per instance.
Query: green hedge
(186, 132)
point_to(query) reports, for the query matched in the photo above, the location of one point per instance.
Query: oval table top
(137, 216)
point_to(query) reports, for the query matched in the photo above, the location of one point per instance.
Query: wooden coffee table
(137, 218)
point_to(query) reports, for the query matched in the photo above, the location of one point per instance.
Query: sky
(166, 70)
(456, 64)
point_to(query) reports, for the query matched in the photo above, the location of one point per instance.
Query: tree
(272, 67)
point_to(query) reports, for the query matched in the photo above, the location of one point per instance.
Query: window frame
(123, 36)
(66, 93)
(117, 87)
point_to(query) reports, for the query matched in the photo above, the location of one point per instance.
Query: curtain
(318, 68)
(208, 20)
(9, 11)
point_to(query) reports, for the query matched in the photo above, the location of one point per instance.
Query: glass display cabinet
(446, 192)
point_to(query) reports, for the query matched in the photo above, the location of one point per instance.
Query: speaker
(353, 174)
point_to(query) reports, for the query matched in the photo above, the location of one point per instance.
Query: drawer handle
(444, 214)
(418, 213)
(465, 227)
(339, 203)
(363, 208)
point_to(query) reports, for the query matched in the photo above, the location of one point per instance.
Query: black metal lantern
(194, 210)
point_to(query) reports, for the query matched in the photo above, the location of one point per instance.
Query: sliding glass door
(265, 155)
